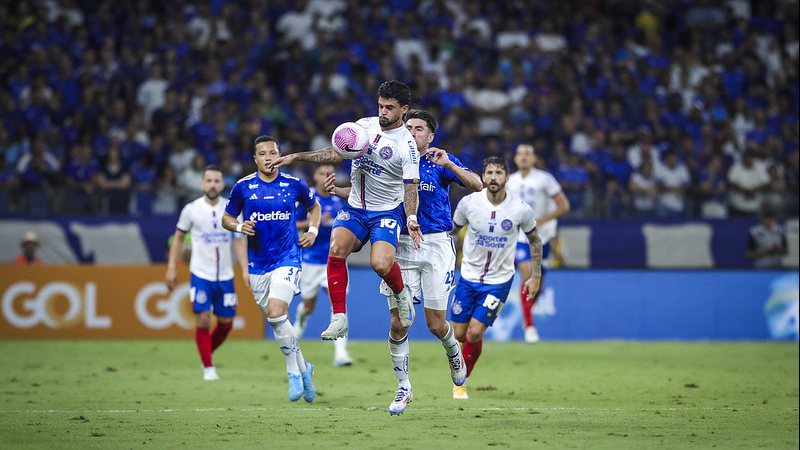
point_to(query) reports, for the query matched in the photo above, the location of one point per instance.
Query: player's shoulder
(368, 122)
(472, 198)
(543, 174)
(516, 202)
(247, 178)
(289, 178)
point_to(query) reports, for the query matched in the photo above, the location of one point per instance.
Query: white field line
(306, 408)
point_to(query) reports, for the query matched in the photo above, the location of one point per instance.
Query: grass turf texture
(128, 394)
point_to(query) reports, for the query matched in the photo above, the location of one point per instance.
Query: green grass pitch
(142, 394)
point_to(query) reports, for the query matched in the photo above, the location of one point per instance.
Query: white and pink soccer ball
(350, 140)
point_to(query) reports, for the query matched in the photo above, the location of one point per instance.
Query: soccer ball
(350, 140)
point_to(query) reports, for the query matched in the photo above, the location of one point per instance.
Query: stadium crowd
(674, 108)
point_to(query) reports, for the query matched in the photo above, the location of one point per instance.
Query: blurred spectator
(114, 182)
(713, 189)
(575, 182)
(166, 192)
(29, 246)
(673, 180)
(747, 179)
(644, 189)
(766, 244)
(81, 180)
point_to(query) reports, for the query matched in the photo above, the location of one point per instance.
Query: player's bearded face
(495, 179)
(390, 112)
(212, 184)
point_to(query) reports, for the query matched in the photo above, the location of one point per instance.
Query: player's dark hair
(496, 161)
(421, 114)
(263, 138)
(397, 90)
(213, 168)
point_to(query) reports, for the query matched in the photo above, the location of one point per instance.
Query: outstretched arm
(341, 192)
(533, 283)
(466, 177)
(323, 155)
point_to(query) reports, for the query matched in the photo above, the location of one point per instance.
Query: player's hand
(249, 227)
(171, 278)
(532, 286)
(307, 239)
(328, 183)
(438, 156)
(415, 232)
(281, 161)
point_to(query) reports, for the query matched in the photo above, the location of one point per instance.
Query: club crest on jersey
(457, 309)
(343, 215)
(385, 152)
(506, 224)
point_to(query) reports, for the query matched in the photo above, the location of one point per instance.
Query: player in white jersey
(384, 186)
(494, 217)
(211, 266)
(535, 187)
(430, 270)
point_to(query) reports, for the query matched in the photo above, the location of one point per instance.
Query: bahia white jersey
(491, 239)
(211, 244)
(537, 189)
(377, 178)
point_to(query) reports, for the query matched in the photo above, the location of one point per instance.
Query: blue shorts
(206, 294)
(479, 301)
(523, 253)
(372, 225)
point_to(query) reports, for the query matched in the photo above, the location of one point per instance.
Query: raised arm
(323, 155)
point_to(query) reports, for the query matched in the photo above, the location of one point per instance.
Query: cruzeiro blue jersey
(331, 205)
(272, 207)
(434, 213)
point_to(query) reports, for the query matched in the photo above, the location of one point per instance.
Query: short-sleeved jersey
(491, 238)
(211, 244)
(434, 213)
(537, 188)
(271, 205)
(331, 205)
(377, 178)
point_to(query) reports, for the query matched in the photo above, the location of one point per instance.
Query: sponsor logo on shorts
(506, 224)
(457, 309)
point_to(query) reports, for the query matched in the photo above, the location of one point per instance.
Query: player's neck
(424, 150)
(496, 198)
(268, 177)
(321, 191)
(397, 124)
(211, 201)
(525, 172)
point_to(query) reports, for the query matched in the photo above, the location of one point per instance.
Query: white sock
(399, 352)
(301, 315)
(340, 346)
(449, 342)
(286, 338)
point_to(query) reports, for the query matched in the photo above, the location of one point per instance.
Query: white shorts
(428, 271)
(314, 276)
(280, 284)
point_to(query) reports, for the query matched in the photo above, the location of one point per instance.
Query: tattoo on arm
(323, 155)
(410, 198)
(536, 252)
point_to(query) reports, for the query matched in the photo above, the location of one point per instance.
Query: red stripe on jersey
(486, 266)
(363, 191)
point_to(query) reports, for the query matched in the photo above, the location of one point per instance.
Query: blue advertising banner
(586, 305)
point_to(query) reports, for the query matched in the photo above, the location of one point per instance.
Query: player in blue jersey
(266, 200)
(384, 182)
(429, 271)
(315, 259)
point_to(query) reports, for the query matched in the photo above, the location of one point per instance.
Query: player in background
(266, 200)
(384, 186)
(211, 266)
(430, 271)
(494, 217)
(535, 187)
(315, 258)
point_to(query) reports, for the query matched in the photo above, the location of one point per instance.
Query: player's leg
(437, 274)
(522, 259)
(200, 294)
(399, 351)
(225, 309)
(383, 233)
(349, 232)
(459, 315)
(341, 357)
(312, 277)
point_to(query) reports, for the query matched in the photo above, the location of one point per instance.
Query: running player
(535, 187)
(384, 183)
(315, 258)
(494, 218)
(211, 267)
(429, 271)
(266, 199)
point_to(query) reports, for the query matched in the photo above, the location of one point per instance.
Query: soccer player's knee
(382, 265)
(337, 250)
(203, 320)
(474, 335)
(436, 326)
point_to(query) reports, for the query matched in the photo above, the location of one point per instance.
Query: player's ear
(430, 138)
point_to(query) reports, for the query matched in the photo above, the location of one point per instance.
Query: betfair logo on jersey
(427, 187)
(272, 215)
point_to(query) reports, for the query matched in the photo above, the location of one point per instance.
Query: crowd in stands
(673, 108)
